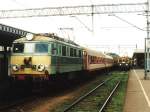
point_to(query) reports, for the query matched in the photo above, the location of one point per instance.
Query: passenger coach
(96, 60)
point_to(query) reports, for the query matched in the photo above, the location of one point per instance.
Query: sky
(110, 33)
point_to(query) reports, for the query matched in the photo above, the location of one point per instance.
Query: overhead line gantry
(74, 10)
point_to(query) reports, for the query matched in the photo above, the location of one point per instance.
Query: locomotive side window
(41, 48)
(59, 50)
(18, 48)
(80, 53)
(64, 50)
(67, 51)
(75, 52)
(54, 48)
(71, 51)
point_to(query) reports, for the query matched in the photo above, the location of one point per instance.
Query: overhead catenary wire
(127, 22)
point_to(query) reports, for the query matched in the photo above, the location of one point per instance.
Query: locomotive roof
(45, 38)
(36, 38)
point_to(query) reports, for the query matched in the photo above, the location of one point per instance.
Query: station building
(138, 58)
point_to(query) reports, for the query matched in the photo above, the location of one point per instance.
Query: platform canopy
(138, 52)
(8, 34)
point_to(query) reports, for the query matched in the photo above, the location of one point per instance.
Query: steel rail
(85, 95)
(106, 101)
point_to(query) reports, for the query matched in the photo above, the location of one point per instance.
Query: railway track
(8, 105)
(95, 100)
(17, 105)
(109, 97)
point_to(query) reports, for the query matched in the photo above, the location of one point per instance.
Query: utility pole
(92, 14)
(146, 42)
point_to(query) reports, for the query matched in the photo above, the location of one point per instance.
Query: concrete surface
(138, 92)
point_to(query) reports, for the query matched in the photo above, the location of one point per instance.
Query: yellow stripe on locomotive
(30, 65)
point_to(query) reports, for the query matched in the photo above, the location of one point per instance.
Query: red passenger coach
(95, 60)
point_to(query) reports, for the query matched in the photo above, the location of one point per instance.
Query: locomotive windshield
(41, 48)
(18, 48)
(30, 48)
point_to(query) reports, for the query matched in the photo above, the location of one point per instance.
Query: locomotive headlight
(40, 68)
(15, 68)
(29, 36)
(120, 64)
(126, 64)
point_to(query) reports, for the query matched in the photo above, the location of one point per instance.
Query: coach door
(85, 60)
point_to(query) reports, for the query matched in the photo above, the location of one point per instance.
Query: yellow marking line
(146, 97)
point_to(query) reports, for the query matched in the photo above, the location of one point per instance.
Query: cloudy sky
(110, 33)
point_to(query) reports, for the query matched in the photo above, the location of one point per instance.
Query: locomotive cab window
(29, 47)
(18, 48)
(41, 48)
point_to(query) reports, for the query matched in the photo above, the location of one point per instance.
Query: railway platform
(138, 92)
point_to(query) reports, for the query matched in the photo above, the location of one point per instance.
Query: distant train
(124, 63)
(46, 56)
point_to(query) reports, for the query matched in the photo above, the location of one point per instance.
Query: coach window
(93, 59)
(63, 50)
(89, 58)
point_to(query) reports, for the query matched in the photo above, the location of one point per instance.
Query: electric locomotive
(43, 56)
(124, 63)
